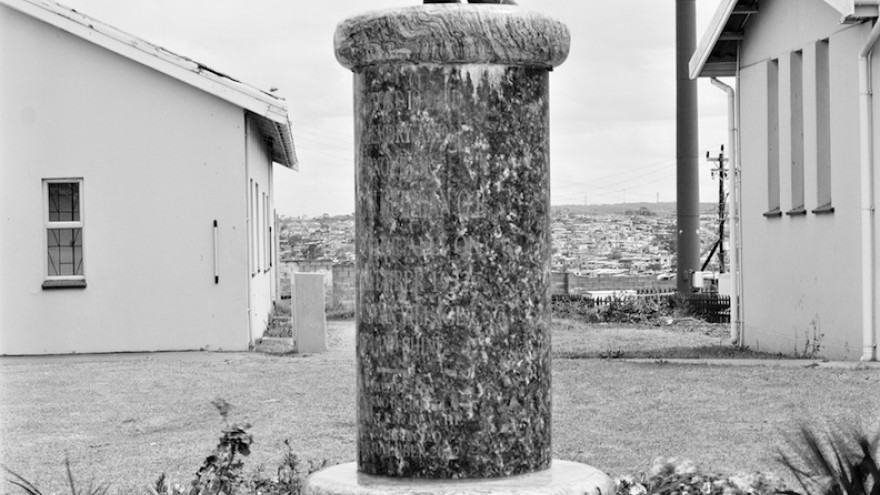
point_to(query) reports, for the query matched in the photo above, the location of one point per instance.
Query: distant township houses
(806, 127)
(624, 243)
(136, 192)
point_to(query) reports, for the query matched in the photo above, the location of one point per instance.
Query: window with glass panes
(64, 229)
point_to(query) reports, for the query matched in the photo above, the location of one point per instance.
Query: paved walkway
(191, 356)
(341, 342)
(774, 363)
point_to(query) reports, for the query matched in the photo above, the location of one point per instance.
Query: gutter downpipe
(734, 221)
(866, 128)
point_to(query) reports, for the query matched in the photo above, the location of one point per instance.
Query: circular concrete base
(563, 478)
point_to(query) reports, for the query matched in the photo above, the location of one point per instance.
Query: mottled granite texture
(453, 252)
(563, 478)
(453, 238)
(452, 34)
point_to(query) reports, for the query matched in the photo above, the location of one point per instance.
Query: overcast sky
(612, 104)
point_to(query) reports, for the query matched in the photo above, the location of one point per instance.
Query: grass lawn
(126, 419)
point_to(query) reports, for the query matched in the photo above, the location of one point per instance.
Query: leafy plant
(31, 489)
(290, 479)
(221, 473)
(812, 347)
(634, 309)
(641, 309)
(672, 476)
(837, 463)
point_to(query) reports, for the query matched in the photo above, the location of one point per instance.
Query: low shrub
(641, 309)
(672, 476)
(635, 310)
(836, 463)
(222, 472)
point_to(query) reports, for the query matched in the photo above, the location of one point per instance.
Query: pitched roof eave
(727, 26)
(710, 37)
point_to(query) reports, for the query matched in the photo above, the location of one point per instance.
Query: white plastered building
(136, 192)
(805, 233)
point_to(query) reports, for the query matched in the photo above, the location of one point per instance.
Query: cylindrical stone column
(452, 238)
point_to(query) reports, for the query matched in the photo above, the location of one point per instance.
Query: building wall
(875, 77)
(261, 224)
(801, 273)
(160, 162)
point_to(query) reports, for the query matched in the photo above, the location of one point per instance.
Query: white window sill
(64, 284)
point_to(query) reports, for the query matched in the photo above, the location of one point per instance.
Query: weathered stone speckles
(452, 34)
(453, 238)
(453, 252)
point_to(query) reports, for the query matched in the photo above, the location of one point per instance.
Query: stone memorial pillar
(453, 252)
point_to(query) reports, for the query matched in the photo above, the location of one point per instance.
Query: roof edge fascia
(710, 37)
(288, 149)
(855, 10)
(170, 64)
(850, 11)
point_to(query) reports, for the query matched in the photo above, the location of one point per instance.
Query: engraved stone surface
(563, 478)
(453, 253)
(452, 238)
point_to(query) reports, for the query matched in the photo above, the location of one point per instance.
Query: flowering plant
(670, 476)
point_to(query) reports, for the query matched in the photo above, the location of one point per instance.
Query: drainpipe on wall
(735, 321)
(866, 128)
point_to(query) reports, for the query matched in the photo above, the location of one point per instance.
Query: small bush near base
(671, 476)
(222, 472)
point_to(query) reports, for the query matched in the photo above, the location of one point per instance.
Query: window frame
(773, 142)
(252, 228)
(258, 228)
(267, 234)
(796, 109)
(62, 281)
(823, 128)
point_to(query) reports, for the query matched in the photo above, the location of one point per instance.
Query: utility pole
(687, 147)
(721, 171)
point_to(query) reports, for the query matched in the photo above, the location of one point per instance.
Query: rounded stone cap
(452, 33)
(562, 478)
